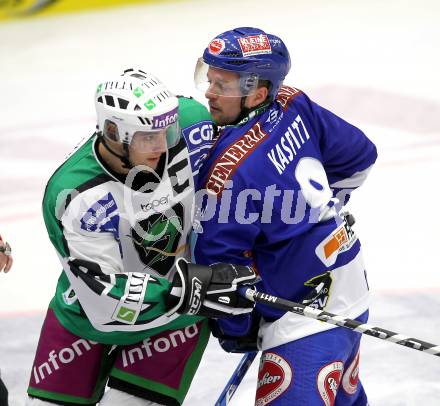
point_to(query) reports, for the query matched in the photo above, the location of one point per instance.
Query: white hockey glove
(210, 291)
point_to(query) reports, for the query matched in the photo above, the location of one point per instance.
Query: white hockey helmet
(135, 109)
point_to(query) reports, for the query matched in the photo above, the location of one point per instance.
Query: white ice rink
(375, 63)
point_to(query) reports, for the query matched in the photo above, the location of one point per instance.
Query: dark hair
(268, 85)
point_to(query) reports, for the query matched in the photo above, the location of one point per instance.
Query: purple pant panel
(161, 358)
(65, 363)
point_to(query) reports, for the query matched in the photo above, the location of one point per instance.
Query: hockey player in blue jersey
(272, 188)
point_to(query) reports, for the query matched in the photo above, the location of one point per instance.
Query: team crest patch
(351, 377)
(328, 380)
(216, 46)
(274, 377)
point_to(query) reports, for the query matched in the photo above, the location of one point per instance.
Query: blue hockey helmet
(250, 52)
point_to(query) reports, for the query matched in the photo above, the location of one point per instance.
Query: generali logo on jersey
(255, 45)
(274, 377)
(231, 158)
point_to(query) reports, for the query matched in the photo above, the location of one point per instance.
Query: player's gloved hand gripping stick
(210, 291)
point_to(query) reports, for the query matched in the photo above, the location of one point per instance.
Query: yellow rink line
(12, 9)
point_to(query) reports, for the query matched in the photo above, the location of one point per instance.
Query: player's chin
(218, 118)
(216, 114)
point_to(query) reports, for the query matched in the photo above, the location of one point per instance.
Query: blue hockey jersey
(270, 193)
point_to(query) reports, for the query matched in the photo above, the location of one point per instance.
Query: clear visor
(221, 82)
(144, 141)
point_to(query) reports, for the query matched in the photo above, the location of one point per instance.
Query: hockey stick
(340, 321)
(236, 378)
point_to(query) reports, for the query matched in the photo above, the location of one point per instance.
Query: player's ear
(258, 97)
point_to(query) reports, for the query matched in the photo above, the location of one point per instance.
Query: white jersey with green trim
(118, 241)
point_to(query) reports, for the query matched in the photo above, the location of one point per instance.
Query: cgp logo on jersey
(274, 377)
(199, 139)
(328, 381)
(165, 120)
(198, 135)
(255, 45)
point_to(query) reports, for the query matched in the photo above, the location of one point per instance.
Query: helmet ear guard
(111, 131)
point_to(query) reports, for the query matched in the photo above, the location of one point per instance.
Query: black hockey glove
(242, 344)
(210, 291)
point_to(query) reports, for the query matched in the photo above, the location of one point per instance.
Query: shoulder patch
(286, 94)
(102, 216)
(232, 157)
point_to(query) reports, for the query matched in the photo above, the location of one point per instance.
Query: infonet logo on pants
(162, 344)
(64, 356)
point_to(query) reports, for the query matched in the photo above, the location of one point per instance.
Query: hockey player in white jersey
(118, 212)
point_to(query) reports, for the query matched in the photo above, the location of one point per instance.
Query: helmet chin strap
(125, 159)
(246, 111)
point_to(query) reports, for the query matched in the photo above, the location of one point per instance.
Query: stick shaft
(236, 378)
(341, 321)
